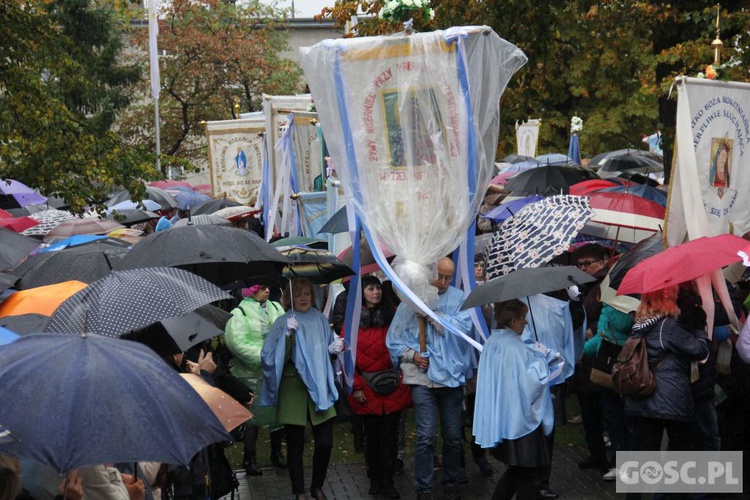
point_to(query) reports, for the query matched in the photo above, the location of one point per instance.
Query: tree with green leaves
(611, 62)
(62, 84)
(216, 54)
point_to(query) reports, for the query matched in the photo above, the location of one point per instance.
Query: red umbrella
(682, 263)
(623, 217)
(588, 186)
(18, 224)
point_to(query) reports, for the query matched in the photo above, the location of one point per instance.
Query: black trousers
(381, 445)
(523, 482)
(295, 445)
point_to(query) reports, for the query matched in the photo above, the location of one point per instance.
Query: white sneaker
(611, 475)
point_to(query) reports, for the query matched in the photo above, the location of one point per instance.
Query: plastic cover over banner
(413, 151)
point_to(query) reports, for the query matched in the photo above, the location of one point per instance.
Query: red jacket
(373, 356)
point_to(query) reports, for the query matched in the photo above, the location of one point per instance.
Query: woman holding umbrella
(298, 380)
(518, 432)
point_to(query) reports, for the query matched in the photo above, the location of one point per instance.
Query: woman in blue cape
(513, 412)
(298, 379)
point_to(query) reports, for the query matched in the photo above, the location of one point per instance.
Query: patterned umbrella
(536, 234)
(237, 213)
(87, 225)
(127, 300)
(48, 219)
(203, 220)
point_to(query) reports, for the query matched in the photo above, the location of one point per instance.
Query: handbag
(384, 382)
(601, 370)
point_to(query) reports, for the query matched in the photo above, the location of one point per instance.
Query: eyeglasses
(586, 263)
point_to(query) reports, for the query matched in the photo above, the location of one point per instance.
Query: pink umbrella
(18, 224)
(591, 185)
(623, 217)
(167, 183)
(502, 178)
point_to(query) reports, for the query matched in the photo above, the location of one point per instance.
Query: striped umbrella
(623, 217)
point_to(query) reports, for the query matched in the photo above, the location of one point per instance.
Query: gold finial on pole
(237, 107)
(717, 44)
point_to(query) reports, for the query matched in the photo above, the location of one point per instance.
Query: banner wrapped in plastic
(412, 124)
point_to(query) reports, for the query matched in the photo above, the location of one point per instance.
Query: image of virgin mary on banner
(411, 121)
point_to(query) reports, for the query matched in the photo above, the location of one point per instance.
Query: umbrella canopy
(7, 280)
(14, 247)
(188, 330)
(128, 300)
(628, 259)
(18, 224)
(202, 220)
(537, 234)
(514, 158)
(502, 178)
(87, 225)
(237, 213)
(98, 400)
(86, 263)
(599, 160)
(190, 199)
(41, 300)
(48, 219)
(650, 193)
(521, 166)
(366, 260)
(7, 336)
(634, 177)
(219, 254)
(299, 240)
(211, 206)
(526, 282)
(78, 239)
(548, 180)
(508, 209)
(227, 410)
(338, 223)
(554, 159)
(319, 266)
(623, 217)
(165, 200)
(128, 217)
(134, 205)
(23, 324)
(682, 263)
(15, 194)
(634, 161)
(585, 187)
(169, 183)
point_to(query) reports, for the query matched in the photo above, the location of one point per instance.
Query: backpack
(631, 373)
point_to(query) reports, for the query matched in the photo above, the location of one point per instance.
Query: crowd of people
(281, 357)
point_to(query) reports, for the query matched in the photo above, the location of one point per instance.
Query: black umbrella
(128, 217)
(638, 178)
(525, 282)
(212, 206)
(24, 324)
(338, 223)
(319, 266)
(514, 158)
(202, 324)
(219, 254)
(601, 158)
(128, 300)
(642, 250)
(165, 200)
(85, 263)
(636, 160)
(552, 179)
(7, 280)
(14, 247)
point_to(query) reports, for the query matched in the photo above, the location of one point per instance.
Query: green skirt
(295, 403)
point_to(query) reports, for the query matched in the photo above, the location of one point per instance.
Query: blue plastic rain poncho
(450, 356)
(310, 357)
(513, 396)
(554, 328)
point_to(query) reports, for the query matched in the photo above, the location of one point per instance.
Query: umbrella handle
(422, 333)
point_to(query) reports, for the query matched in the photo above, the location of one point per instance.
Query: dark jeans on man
(593, 428)
(295, 446)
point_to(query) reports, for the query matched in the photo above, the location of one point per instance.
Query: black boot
(277, 458)
(251, 437)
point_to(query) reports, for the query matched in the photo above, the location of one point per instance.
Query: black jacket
(673, 398)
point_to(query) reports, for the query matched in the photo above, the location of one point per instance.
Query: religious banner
(235, 158)
(709, 184)
(411, 123)
(308, 152)
(276, 109)
(527, 136)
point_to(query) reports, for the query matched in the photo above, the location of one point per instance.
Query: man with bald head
(436, 378)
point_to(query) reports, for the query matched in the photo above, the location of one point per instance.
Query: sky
(305, 8)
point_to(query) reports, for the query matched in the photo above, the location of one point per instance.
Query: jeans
(707, 424)
(618, 428)
(428, 402)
